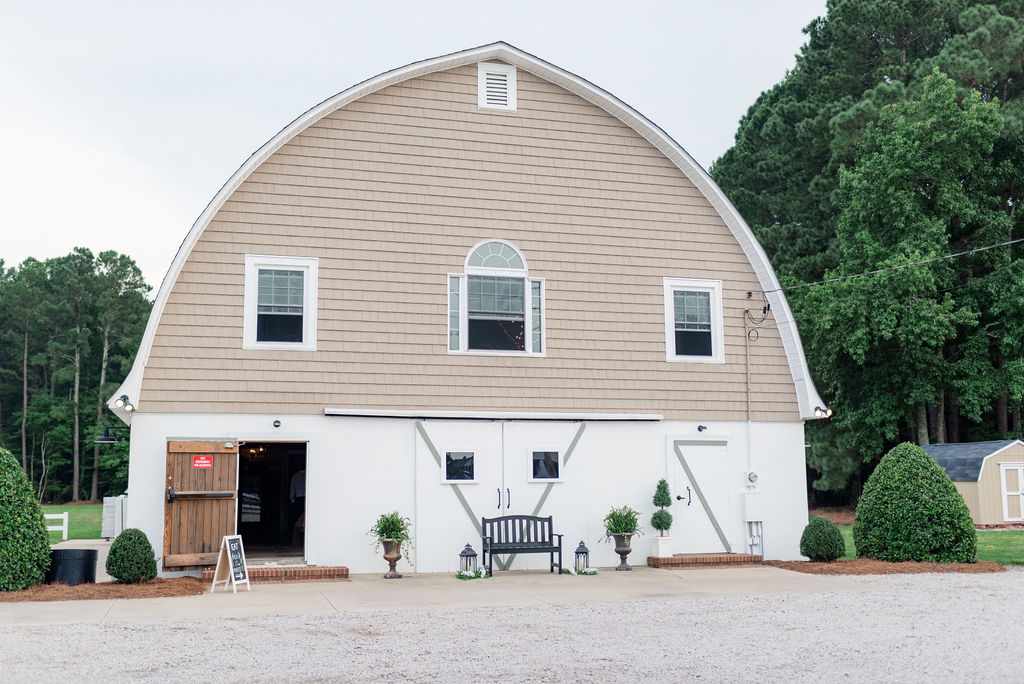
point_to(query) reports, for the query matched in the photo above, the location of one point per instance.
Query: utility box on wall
(753, 507)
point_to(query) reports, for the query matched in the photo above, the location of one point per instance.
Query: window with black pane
(545, 465)
(496, 313)
(458, 465)
(692, 323)
(279, 307)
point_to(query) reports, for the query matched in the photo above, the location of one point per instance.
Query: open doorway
(272, 501)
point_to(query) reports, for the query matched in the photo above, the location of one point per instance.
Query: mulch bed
(869, 566)
(161, 586)
(842, 515)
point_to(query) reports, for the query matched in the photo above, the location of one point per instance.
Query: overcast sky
(119, 121)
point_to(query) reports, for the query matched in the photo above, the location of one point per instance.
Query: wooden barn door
(200, 496)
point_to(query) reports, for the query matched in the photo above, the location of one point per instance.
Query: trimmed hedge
(131, 558)
(24, 543)
(822, 541)
(910, 511)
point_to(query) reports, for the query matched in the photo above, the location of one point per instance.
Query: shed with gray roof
(989, 475)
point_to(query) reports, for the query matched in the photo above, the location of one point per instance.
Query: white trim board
(807, 395)
(488, 415)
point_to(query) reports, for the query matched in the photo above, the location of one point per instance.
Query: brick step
(267, 574)
(704, 560)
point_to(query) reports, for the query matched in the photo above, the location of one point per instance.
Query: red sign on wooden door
(202, 460)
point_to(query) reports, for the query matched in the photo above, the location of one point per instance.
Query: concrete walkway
(432, 591)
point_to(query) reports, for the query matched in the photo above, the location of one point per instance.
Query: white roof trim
(984, 461)
(487, 415)
(807, 395)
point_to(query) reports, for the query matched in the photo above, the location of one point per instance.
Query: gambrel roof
(806, 394)
(963, 462)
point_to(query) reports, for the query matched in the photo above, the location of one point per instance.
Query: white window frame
(523, 273)
(714, 288)
(308, 266)
(444, 465)
(481, 80)
(1019, 467)
(529, 465)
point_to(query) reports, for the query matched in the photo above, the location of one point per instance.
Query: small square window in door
(545, 465)
(458, 465)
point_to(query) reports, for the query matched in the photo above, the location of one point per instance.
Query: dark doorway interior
(272, 497)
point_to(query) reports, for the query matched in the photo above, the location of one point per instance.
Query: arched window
(494, 306)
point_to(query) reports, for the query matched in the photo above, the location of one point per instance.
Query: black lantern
(467, 560)
(582, 558)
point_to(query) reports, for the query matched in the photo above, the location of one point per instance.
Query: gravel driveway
(937, 627)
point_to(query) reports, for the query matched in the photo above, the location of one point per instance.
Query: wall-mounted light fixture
(822, 412)
(123, 402)
(702, 428)
(106, 437)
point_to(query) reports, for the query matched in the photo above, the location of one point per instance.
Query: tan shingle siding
(391, 192)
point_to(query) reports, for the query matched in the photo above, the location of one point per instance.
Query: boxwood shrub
(24, 543)
(910, 511)
(131, 558)
(822, 541)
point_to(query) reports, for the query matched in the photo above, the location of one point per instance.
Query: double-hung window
(495, 307)
(693, 320)
(280, 303)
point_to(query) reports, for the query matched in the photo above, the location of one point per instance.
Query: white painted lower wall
(358, 468)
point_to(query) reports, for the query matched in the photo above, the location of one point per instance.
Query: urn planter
(392, 554)
(623, 548)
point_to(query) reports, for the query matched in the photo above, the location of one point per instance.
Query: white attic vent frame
(496, 86)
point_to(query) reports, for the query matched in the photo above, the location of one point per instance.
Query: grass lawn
(1000, 546)
(84, 522)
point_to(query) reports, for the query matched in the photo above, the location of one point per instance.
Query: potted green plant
(621, 524)
(661, 520)
(390, 530)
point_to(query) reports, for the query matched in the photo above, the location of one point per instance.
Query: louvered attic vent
(496, 86)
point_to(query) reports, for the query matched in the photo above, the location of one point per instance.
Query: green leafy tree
(910, 511)
(882, 338)
(121, 311)
(24, 544)
(784, 173)
(131, 559)
(822, 541)
(69, 327)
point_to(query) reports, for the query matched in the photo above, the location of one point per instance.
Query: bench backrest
(516, 529)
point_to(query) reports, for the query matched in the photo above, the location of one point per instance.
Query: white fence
(62, 528)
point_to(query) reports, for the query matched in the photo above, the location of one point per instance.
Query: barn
(989, 475)
(474, 285)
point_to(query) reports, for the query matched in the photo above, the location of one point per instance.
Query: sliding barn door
(200, 494)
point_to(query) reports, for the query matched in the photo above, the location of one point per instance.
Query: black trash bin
(72, 566)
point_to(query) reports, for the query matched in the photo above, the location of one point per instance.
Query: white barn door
(458, 481)
(545, 473)
(706, 518)
(468, 470)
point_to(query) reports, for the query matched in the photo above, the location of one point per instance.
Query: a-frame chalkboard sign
(231, 565)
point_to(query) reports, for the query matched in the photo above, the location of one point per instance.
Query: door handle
(688, 498)
(499, 498)
(508, 497)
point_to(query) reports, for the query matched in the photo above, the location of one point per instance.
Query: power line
(896, 268)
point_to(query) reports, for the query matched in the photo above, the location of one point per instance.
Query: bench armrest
(555, 534)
